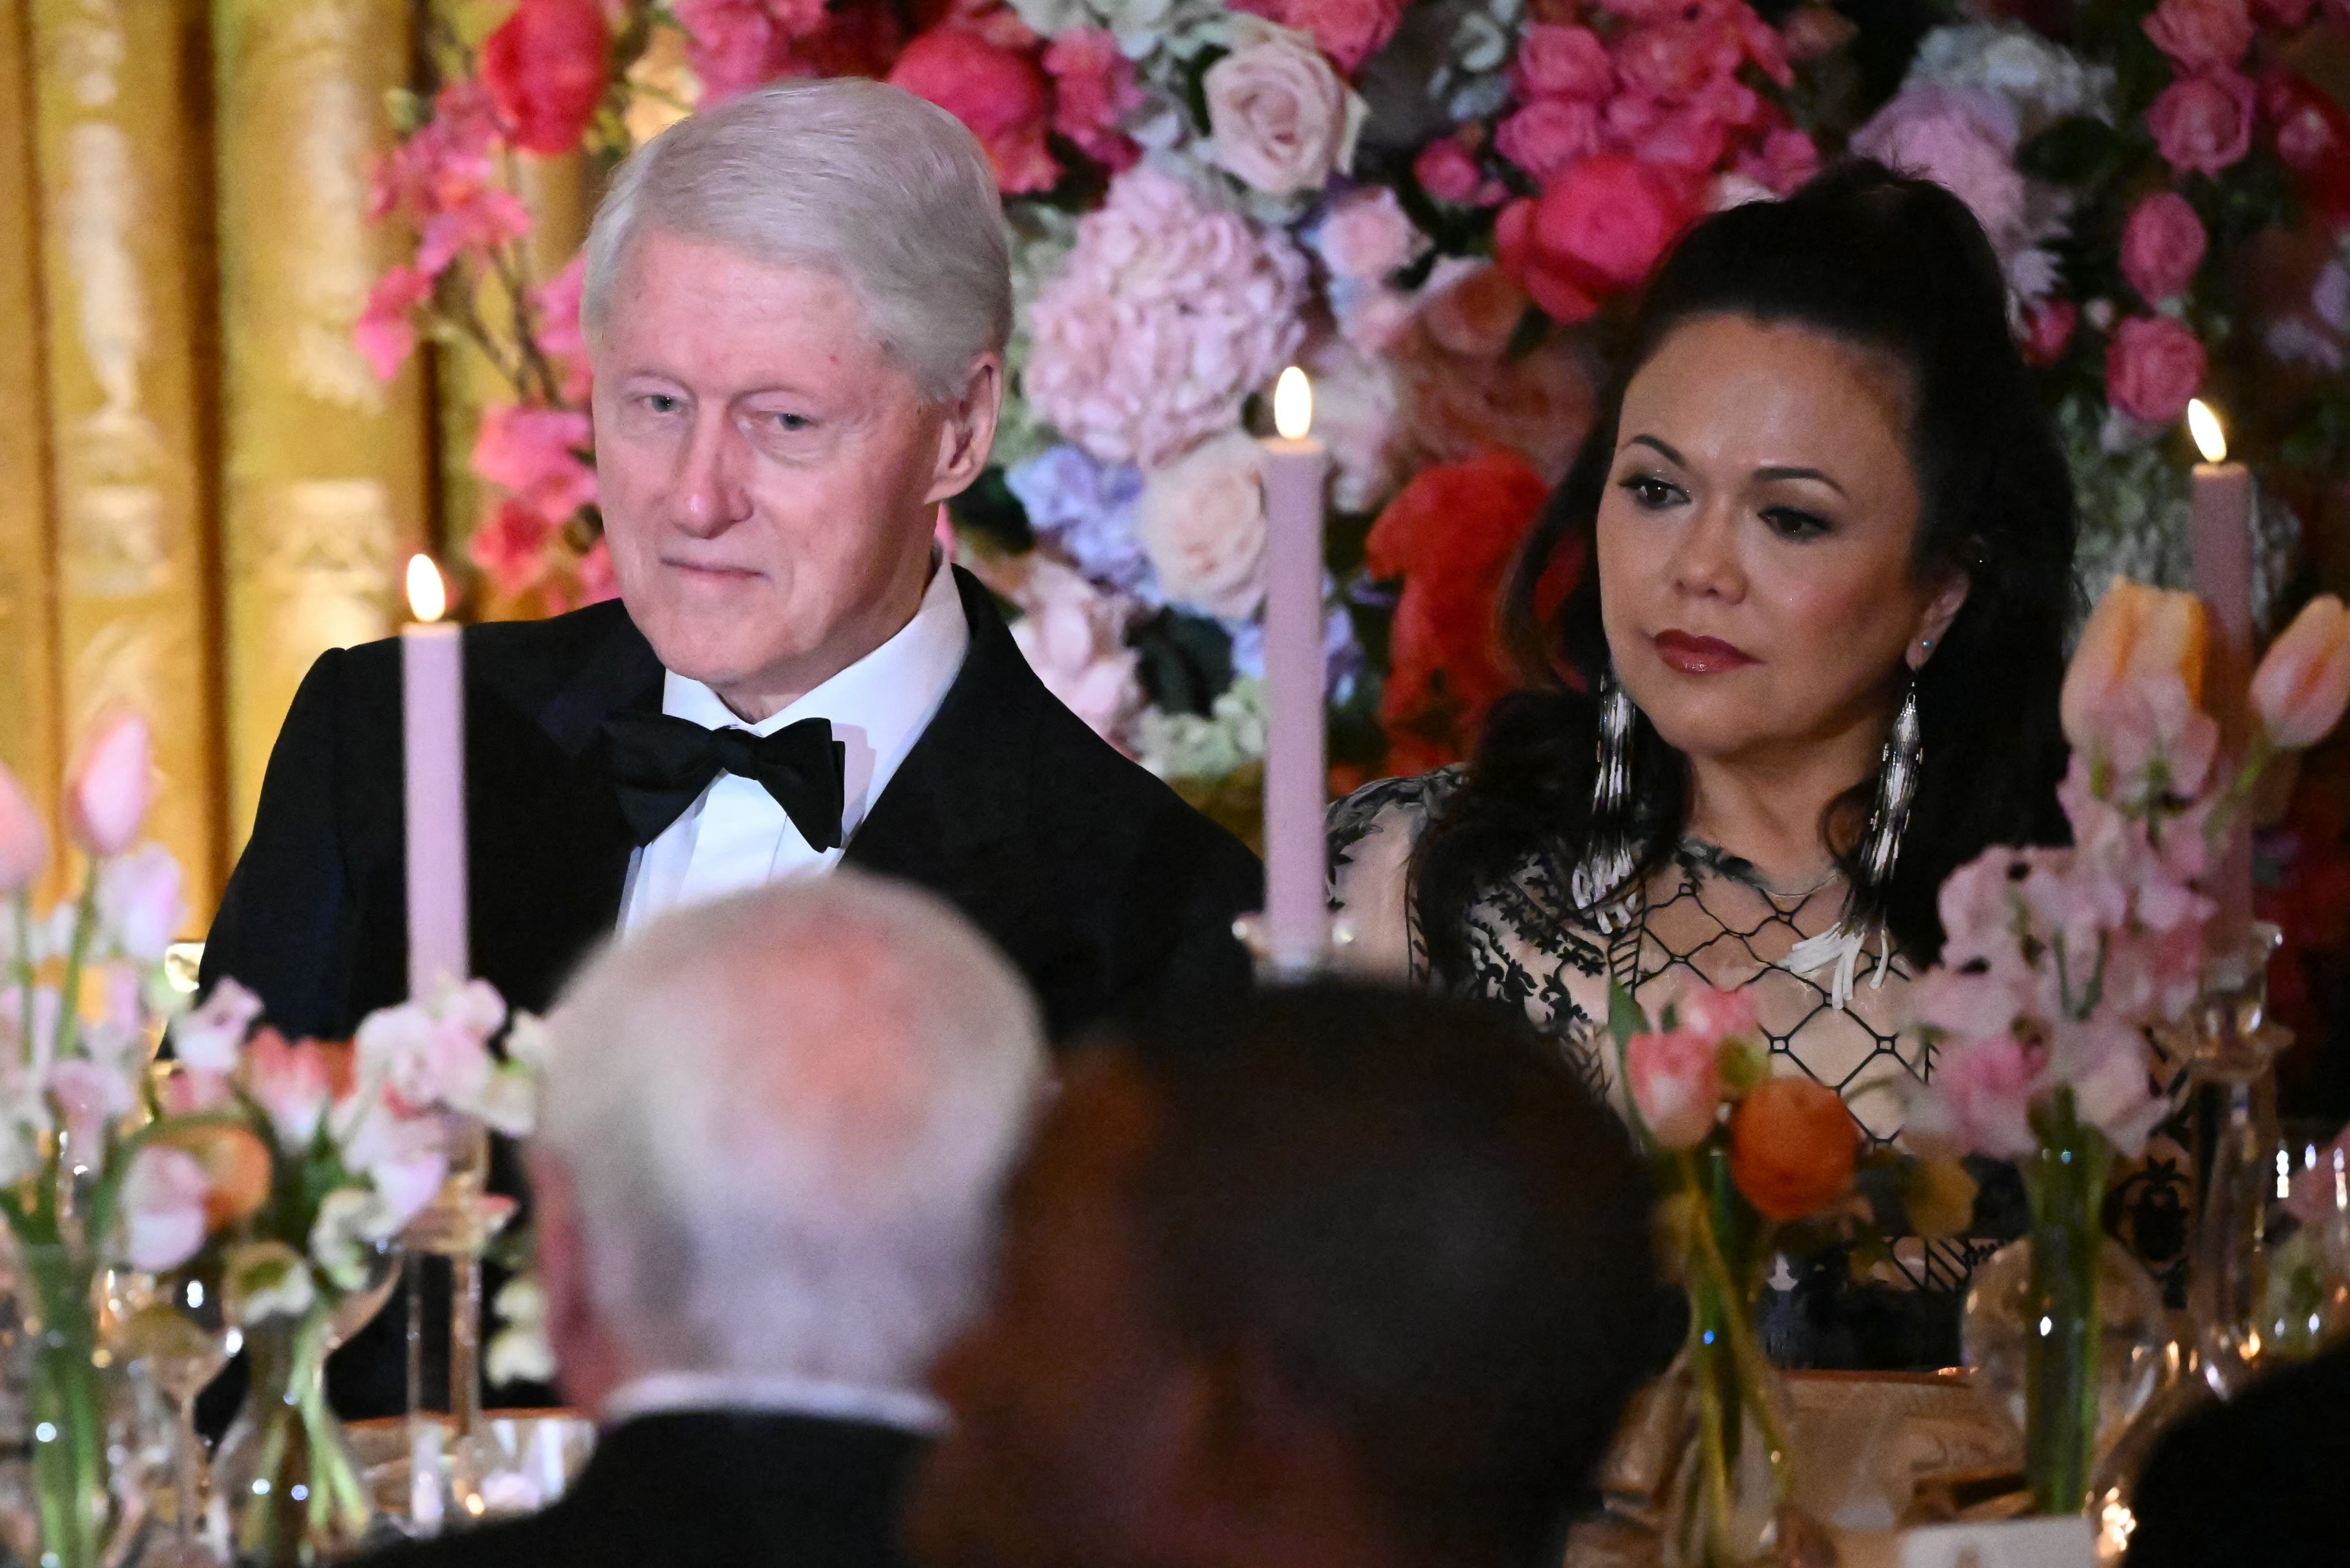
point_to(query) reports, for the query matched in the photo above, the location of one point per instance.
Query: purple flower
(1086, 509)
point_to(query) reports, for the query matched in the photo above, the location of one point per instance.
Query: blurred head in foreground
(773, 1140)
(1341, 1276)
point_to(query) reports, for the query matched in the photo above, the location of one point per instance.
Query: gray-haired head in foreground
(853, 177)
(785, 1117)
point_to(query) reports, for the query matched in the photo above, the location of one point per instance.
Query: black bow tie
(662, 765)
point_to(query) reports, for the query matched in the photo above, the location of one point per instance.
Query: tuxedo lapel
(956, 816)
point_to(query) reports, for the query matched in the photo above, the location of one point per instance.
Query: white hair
(786, 1117)
(885, 190)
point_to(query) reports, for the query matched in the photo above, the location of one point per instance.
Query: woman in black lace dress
(1812, 668)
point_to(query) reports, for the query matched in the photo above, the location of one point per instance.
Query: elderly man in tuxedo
(770, 1149)
(796, 305)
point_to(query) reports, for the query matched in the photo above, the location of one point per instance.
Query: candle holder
(1275, 968)
(459, 1224)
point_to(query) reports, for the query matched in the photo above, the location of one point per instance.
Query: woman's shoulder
(1384, 808)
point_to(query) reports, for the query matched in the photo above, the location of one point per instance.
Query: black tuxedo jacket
(707, 1490)
(1105, 888)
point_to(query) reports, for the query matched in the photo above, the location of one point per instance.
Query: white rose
(1201, 522)
(1280, 119)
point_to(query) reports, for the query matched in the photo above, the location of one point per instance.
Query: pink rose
(2153, 366)
(1598, 230)
(2201, 35)
(1366, 234)
(1548, 135)
(1279, 115)
(1073, 636)
(2048, 329)
(2162, 244)
(546, 67)
(1448, 172)
(108, 791)
(386, 330)
(24, 841)
(1001, 96)
(1094, 91)
(162, 1200)
(1676, 1084)
(1563, 62)
(1201, 521)
(2303, 680)
(2203, 124)
(1676, 60)
(1348, 31)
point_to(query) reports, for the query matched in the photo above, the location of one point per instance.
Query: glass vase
(67, 1407)
(2065, 1182)
(293, 1482)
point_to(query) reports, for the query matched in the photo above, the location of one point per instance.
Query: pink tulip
(2135, 635)
(23, 842)
(209, 1038)
(108, 796)
(2305, 680)
(1676, 1084)
(163, 1208)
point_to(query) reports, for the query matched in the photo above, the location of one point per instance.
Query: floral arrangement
(2059, 963)
(1740, 1154)
(1437, 211)
(279, 1175)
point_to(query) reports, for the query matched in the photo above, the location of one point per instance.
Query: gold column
(325, 468)
(30, 741)
(123, 180)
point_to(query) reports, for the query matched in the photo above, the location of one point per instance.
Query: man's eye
(789, 421)
(663, 403)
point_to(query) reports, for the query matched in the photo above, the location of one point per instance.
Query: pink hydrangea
(1348, 31)
(1963, 140)
(1168, 314)
(2203, 124)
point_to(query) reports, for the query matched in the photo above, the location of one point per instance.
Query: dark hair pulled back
(1898, 267)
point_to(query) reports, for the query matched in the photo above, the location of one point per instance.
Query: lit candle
(2221, 543)
(1296, 907)
(433, 758)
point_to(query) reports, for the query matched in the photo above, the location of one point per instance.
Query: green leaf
(2078, 151)
(1625, 1018)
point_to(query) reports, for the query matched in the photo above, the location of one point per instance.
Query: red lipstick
(1700, 655)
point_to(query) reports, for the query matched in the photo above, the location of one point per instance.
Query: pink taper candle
(433, 757)
(1296, 773)
(2222, 544)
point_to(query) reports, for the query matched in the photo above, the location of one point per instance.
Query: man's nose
(711, 493)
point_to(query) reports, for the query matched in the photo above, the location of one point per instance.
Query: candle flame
(428, 597)
(1293, 404)
(2204, 425)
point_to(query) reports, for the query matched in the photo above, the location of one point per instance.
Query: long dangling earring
(1871, 900)
(1598, 883)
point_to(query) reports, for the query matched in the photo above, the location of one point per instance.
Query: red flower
(1449, 535)
(511, 548)
(1792, 1147)
(1093, 92)
(545, 65)
(1597, 230)
(2048, 330)
(1000, 94)
(2152, 367)
(1348, 31)
(2312, 140)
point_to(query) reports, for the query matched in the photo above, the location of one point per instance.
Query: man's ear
(1272, 1472)
(967, 429)
(588, 1365)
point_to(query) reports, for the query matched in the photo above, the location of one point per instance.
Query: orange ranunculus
(2303, 680)
(2135, 633)
(237, 1164)
(1792, 1147)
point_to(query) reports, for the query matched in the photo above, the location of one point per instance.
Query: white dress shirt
(736, 836)
(663, 1391)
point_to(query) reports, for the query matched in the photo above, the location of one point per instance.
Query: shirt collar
(659, 1392)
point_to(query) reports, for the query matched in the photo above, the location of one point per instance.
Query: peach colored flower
(1280, 119)
(1674, 1081)
(2303, 680)
(24, 841)
(1201, 521)
(1792, 1147)
(108, 794)
(2135, 635)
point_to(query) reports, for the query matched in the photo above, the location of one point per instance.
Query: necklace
(1739, 868)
